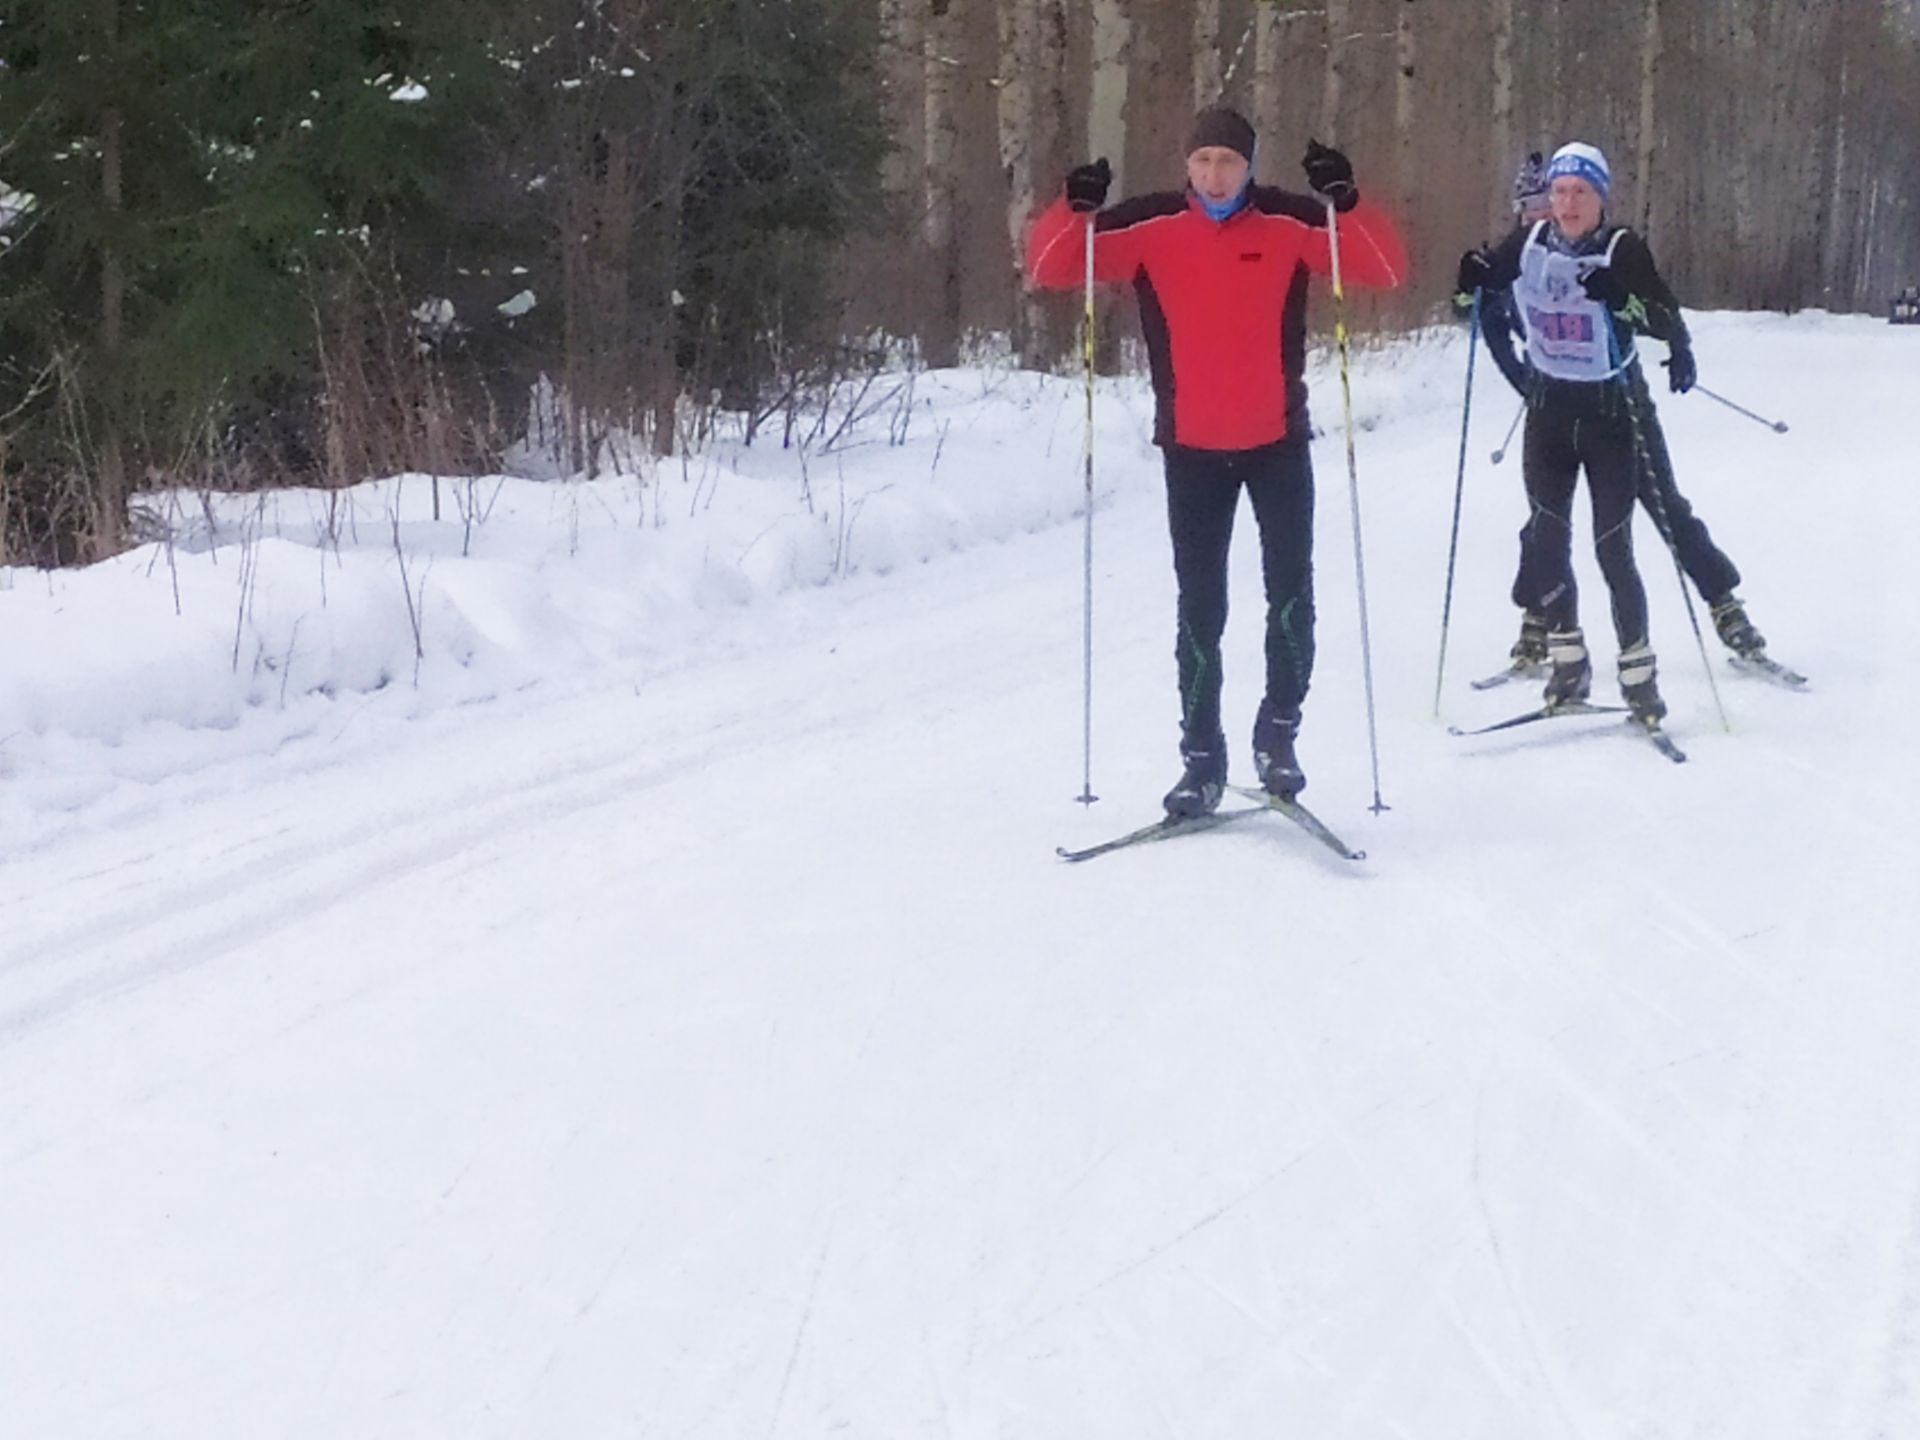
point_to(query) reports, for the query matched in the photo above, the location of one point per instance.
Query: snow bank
(262, 616)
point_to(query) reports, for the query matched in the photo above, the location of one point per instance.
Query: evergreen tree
(208, 174)
(704, 164)
(307, 234)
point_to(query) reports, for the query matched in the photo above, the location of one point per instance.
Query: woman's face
(1576, 207)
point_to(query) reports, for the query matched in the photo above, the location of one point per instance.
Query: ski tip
(1764, 667)
(1662, 741)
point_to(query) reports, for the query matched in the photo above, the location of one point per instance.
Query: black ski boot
(1572, 678)
(1529, 652)
(1637, 685)
(1200, 786)
(1274, 763)
(1736, 630)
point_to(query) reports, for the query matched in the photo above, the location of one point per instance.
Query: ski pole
(1086, 796)
(1353, 491)
(1779, 427)
(1505, 444)
(1459, 490)
(1647, 487)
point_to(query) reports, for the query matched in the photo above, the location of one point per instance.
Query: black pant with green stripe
(1203, 492)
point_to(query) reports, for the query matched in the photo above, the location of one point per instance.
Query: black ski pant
(1571, 426)
(1710, 568)
(1203, 492)
(1706, 564)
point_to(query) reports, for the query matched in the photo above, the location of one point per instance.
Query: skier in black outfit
(1582, 290)
(1713, 573)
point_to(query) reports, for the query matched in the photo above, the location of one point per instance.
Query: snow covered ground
(648, 1004)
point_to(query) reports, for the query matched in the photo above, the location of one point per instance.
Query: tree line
(1766, 147)
(264, 242)
(260, 242)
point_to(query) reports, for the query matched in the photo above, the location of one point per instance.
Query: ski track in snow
(711, 1046)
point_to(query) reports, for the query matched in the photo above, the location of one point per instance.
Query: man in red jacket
(1221, 271)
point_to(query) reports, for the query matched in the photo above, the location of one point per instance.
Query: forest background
(262, 243)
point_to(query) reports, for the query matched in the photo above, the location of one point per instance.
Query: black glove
(1330, 173)
(1476, 272)
(1603, 285)
(1087, 186)
(1681, 371)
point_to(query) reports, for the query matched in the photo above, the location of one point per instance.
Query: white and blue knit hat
(1584, 162)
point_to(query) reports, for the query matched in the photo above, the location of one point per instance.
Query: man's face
(1217, 172)
(1576, 206)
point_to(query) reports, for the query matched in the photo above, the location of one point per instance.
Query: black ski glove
(1603, 285)
(1681, 371)
(1087, 186)
(1476, 272)
(1330, 173)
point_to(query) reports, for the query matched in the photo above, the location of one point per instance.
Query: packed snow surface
(594, 964)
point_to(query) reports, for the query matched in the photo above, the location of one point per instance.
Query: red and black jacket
(1222, 303)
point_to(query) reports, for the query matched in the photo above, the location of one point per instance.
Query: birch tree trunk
(1269, 29)
(1206, 53)
(1107, 99)
(1405, 137)
(940, 226)
(903, 72)
(1051, 132)
(1505, 150)
(1836, 277)
(1334, 81)
(1739, 166)
(1649, 74)
(1018, 20)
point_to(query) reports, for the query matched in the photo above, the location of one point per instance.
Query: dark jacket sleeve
(1505, 257)
(1658, 311)
(1499, 326)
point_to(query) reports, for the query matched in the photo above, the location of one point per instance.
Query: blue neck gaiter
(1225, 209)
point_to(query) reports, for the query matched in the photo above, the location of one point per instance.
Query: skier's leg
(1713, 574)
(1545, 583)
(1281, 487)
(1606, 449)
(1202, 493)
(1613, 469)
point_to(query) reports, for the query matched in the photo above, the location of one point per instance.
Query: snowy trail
(719, 1051)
